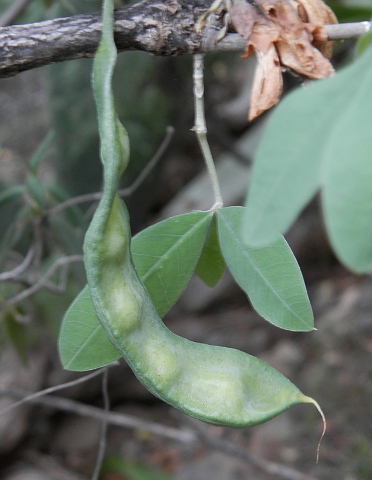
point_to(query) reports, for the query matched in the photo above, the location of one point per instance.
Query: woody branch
(159, 27)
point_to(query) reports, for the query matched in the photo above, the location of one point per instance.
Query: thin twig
(124, 192)
(87, 197)
(104, 424)
(344, 31)
(19, 268)
(42, 281)
(150, 165)
(118, 419)
(13, 12)
(200, 127)
(34, 396)
(187, 436)
(234, 42)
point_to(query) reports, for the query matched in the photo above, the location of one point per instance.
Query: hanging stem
(200, 128)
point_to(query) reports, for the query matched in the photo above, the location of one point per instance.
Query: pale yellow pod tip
(316, 404)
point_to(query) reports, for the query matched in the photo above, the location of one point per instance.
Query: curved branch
(160, 27)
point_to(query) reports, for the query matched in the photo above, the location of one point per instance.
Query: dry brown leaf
(244, 16)
(303, 59)
(295, 47)
(319, 14)
(267, 84)
(288, 33)
(261, 35)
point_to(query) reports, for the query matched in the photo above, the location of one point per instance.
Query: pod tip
(317, 406)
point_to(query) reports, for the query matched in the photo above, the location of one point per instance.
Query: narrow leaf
(211, 264)
(40, 152)
(36, 190)
(17, 334)
(116, 465)
(165, 256)
(347, 172)
(287, 169)
(83, 344)
(269, 275)
(10, 193)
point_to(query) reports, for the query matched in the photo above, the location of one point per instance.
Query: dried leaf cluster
(282, 33)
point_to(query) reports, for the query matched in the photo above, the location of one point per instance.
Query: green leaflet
(11, 193)
(83, 344)
(165, 256)
(16, 332)
(347, 169)
(269, 275)
(287, 169)
(211, 264)
(130, 471)
(36, 190)
(40, 152)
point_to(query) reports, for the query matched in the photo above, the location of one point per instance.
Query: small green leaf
(83, 344)
(363, 43)
(269, 275)
(17, 334)
(16, 231)
(10, 193)
(347, 170)
(36, 190)
(130, 471)
(165, 256)
(286, 172)
(40, 152)
(211, 264)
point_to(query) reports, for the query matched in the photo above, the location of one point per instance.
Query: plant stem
(200, 127)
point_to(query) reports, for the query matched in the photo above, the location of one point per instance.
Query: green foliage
(269, 275)
(83, 344)
(129, 470)
(318, 138)
(16, 332)
(32, 231)
(211, 263)
(11, 193)
(350, 11)
(165, 256)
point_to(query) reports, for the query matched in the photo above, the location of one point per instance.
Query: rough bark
(160, 27)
